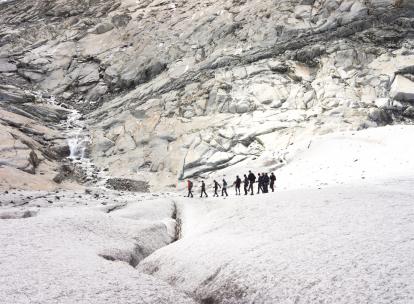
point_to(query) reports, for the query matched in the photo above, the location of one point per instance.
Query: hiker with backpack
(238, 184)
(203, 189)
(259, 183)
(252, 180)
(265, 183)
(216, 187)
(272, 181)
(190, 188)
(246, 184)
(224, 188)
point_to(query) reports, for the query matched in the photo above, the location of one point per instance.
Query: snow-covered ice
(339, 229)
(339, 158)
(334, 245)
(83, 255)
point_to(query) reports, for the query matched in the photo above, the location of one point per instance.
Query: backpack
(224, 183)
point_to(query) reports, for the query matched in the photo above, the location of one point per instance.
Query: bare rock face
(181, 89)
(30, 145)
(402, 89)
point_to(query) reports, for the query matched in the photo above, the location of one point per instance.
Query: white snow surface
(335, 245)
(338, 159)
(82, 255)
(343, 233)
(338, 229)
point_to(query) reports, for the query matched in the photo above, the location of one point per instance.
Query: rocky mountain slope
(176, 89)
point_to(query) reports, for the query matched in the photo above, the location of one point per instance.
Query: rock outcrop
(177, 89)
(30, 145)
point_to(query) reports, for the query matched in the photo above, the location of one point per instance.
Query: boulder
(103, 28)
(242, 107)
(59, 152)
(97, 92)
(402, 89)
(380, 116)
(121, 20)
(84, 74)
(409, 112)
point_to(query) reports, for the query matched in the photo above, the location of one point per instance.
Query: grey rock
(380, 116)
(402, 89)
(85, 74)
(409, 112)
(59, 152)
(121, 184)
(97, 92)
(166, 90)
(103, 145)
(103, 28)
(12, 94)
(7, 66)
(121, 20)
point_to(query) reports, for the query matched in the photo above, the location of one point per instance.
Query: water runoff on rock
(77, 136)
(78, 139)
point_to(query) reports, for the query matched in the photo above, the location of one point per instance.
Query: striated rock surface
(30, 145)
(177, 89)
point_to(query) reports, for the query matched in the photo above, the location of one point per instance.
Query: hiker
(252, 180)
(190, 188)
(203, 189)
(224, 188)
(259, 183)
(216, 187)
(272, 181)
(266, 181)
(246, 184)
(238, 183)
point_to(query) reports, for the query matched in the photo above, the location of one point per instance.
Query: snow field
(339, 229)
(82, 255)
(335, 245)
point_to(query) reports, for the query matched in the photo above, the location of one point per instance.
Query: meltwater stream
(78, 139)
(77, 136)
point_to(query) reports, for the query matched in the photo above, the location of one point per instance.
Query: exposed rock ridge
(178, 89)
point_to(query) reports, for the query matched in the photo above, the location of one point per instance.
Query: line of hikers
(264, 181)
